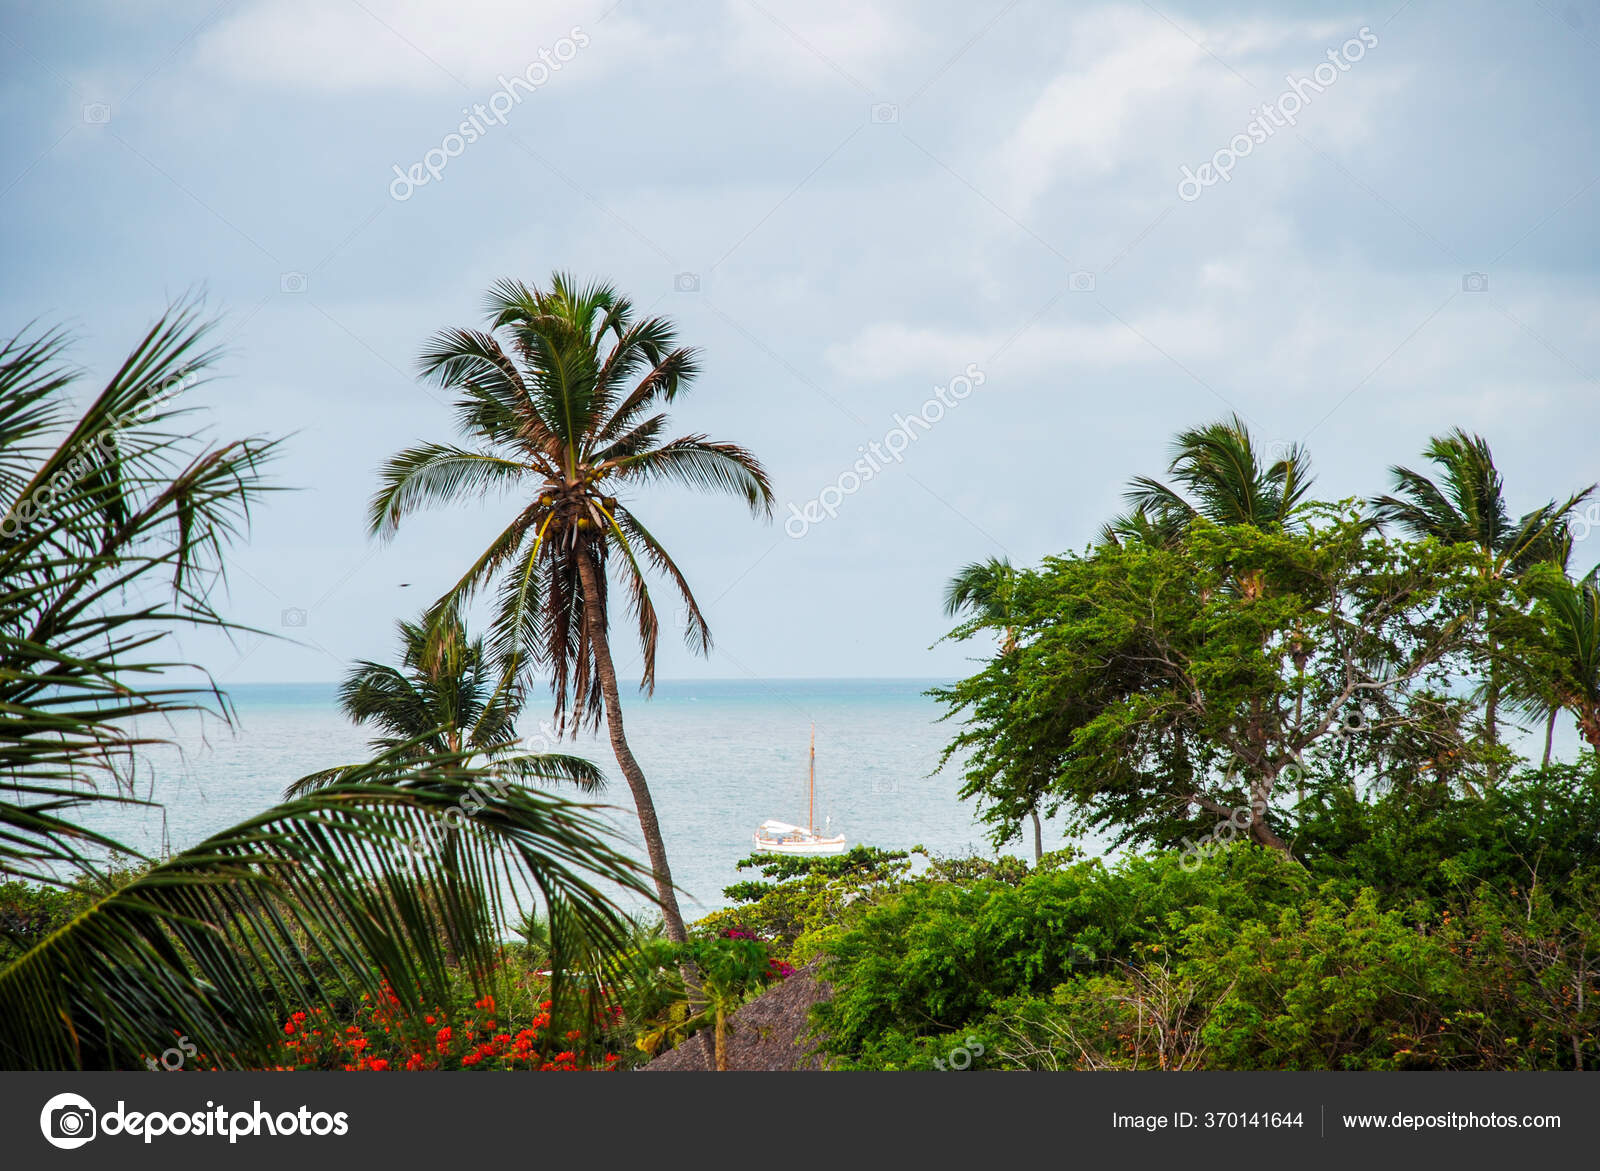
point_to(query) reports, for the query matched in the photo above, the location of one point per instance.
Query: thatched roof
(768, 1034)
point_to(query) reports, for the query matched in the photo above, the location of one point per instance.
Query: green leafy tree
(985, 591)
(116, 526)
(561, 399)
(1158, 684)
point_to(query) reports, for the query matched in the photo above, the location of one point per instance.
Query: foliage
(119, 522)
(561, 398)
(445, 698)
(112, 538)
(1164, 687)
(1229, 481)
(1555, 651)
(803, 901)
(729, 966)
(1426, 930)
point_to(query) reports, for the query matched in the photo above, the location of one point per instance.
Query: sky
(1056, 233)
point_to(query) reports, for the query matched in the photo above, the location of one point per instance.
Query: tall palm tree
(986, 590)
(560, 399)
(1568, 614)
(444, 700)
(1223, 477)
(1467, 505)
(115, 525)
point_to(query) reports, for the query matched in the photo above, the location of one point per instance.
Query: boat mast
(811, 785)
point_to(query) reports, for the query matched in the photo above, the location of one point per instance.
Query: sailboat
(779, 837)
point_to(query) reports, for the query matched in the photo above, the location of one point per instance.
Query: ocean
(720, 756)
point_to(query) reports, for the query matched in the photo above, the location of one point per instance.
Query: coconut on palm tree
(560, 400)
(444, 700)
(1467, 505)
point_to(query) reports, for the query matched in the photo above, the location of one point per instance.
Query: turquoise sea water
(720, 756)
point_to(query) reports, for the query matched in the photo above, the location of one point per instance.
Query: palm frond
(433, 473)
(325, 897)
(699, 463)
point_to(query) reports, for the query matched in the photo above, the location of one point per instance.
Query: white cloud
(893, 349)
(1123, 66)
(814, 40)
(410, 44)
(1134, 86)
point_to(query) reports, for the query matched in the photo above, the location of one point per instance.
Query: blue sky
(845, 205)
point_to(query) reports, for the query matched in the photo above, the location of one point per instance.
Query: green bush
(1423, 934)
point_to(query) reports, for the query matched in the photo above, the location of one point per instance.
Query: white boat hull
(817, 846)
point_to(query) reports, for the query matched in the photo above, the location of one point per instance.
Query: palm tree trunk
(1491, 709)
(1038, 836)
(648, 825)
(722, 1041)
(1549, 736)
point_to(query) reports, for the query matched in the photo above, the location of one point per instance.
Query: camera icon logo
(1081, 282)
(67, 1121)
(883, 785)
(293, 616)
(292, 282)
(96, 113)
(1474, 282)
(686, 282)
(884, 113)
(1353, 722)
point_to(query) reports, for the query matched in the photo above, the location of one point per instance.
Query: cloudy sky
(846, 205)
